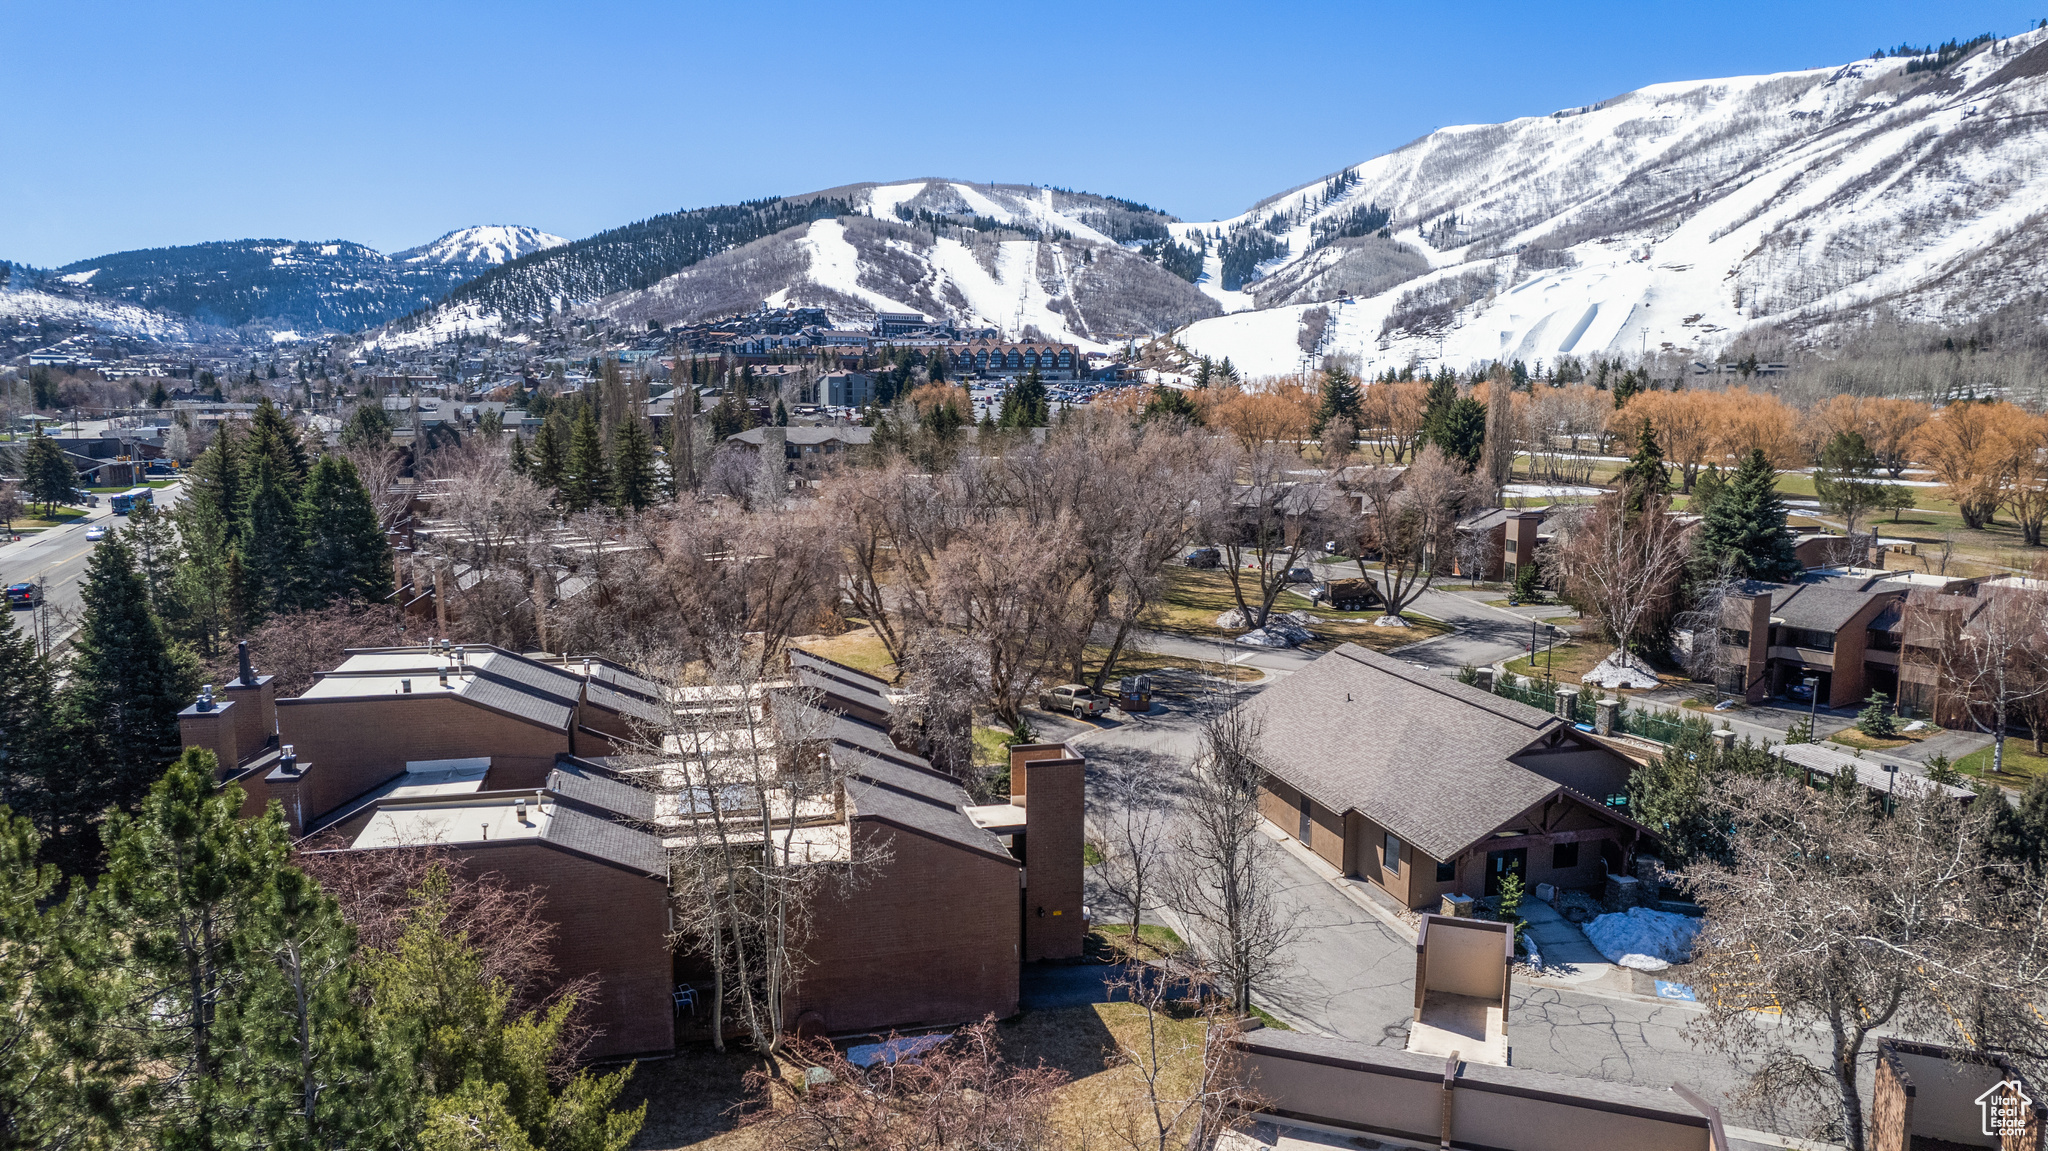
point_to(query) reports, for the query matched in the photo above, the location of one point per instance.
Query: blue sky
(147, 124)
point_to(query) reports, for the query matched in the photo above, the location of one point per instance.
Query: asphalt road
(1351, 975)
(59, 555)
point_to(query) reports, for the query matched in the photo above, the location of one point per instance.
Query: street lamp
(1812, 683)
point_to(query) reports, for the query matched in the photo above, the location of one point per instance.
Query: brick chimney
(256, 719)
(1049, 781)
(211, 723)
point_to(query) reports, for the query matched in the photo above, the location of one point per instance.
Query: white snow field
(1672, 217)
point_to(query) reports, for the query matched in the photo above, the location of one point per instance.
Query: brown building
(522, 767)
(1841, 627)
(1494, 543)
(1429, 787)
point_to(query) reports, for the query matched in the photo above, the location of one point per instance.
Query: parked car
(1300, 575)
(22, 595)
(1203, 558)
(1074, 699)
(95, 533)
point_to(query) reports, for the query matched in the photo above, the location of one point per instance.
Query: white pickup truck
(1074, 699)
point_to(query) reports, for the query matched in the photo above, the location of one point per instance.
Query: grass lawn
(859, 648)
(1194, 598)
(63, 515)
(692, 1097)
(1569, 663)
(144, 484)
(1111, 942)
(2021, 764)
(1133, 662)
(1850, 737)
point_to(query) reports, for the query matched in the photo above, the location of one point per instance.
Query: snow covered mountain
(1027, 260)
(482, 246)
(1670, 218)
(333, 285)
(31, 296)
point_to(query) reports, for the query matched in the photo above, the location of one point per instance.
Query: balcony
(1805, 655)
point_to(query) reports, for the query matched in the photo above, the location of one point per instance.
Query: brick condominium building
(532, 768)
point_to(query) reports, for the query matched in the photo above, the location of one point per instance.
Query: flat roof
(482, 820)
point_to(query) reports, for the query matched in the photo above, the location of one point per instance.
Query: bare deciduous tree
(1622, 569)
(955, 1092)
(1263, 520)
(1406, 521)
(1218, 882)
(1989, 652)
(1130, 803)
(1189, 1084)
(1840, 921)
(755, 844)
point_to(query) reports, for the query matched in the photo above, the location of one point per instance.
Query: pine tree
(47, 476)
(1706, 489)
(517, 457)
(368, 426)
(158, 397)
(551, 452)
(1461, 432)
(1171, 402)
(271, 435)
(633, 479)
(1341, 400)
(229, 1003)
(347, 556)
(154, 539)
(781, 414)
(273, 543)
(34, 925)
(1846, 481)
(201, 583)
(128, 683)
(33, 779)
(1746, 525)
(216, 481)
(1644, 477)
(586, 480)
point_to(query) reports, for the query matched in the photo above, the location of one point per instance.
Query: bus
(126, 501)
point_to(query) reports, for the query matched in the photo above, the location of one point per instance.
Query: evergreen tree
(47, 476)
(477, 1067)
(2019, 832)
(1746, 525)
(586, 480)
(1706, 489)
(273, 543)
(154, 539)
(272, 436)
(633, 483)
(128, 683)
(517, 457)
(34, 779)
(1846, 481)
(369, 425)
(781, 414)
(347, 556)
(1341, 400)
(217, 483)
(34, 1108)
(1875, 720)
(1461, 432)
(204, 584)
(1025, 404)
(1644, 477)
(551, 452)
(1437, 404)
(1171, 402)
(158, 397)
(228, 999)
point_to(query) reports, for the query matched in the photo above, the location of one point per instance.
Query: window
(1808, 638)
(1392, 859)
(1734, 637)
(1564, 856)
(1307, 827)
(1447, 871)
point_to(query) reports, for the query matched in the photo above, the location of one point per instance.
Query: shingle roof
(853, 693)
(587, 784)
(1420, 753)
(844, 729)
(606, 839)
(1827, 603)
(918, 813)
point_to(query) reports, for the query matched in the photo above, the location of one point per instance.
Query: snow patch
(1629, 671)
(1644, 939)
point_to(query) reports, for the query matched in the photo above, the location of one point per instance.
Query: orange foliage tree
(1278, 413)
(1966, 446)
(1888, 426)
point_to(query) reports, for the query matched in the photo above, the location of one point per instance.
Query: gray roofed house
(589, 785)
(1839, 627)
(1427, 786)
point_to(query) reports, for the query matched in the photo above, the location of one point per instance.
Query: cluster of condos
(547, 772)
